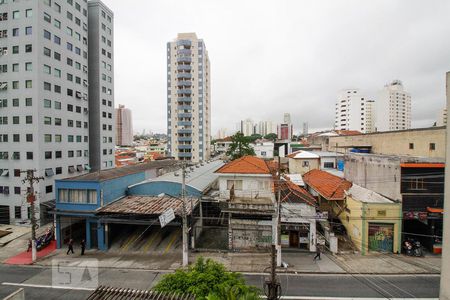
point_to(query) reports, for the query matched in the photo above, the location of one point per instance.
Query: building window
(49, 189)
(237, 184)
(17, 209)
(77, 196)
(416, 184)
(48, 154)
(28, 30)
(305, 163)
(411, 146)
(329, 165)
(29, 155)
(432, 146)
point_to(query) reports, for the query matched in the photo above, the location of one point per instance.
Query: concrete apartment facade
(353, 112)
(188, 98)
(427, 142)
(393, 108)
(44, 109)
(124, 126)
(101, 86)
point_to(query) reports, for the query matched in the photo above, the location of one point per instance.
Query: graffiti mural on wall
(381, 237)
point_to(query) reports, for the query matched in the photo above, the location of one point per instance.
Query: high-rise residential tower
(266, 127)
(353, 112)
(101, 86)
(188, 98)
(124, 126)
(44, 98)
(393, 108)
(247, 127)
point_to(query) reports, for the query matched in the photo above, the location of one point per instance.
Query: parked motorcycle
(44, 240)
(412, 247)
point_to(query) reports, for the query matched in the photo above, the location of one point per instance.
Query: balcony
(184, 43)
(184, 147)
(184, 67)
(185, 115)
(184, 123)
(184, 75)
(184, 154)
(184, 91)
(184, 51)
(184, 99)
(184, 59)
(183, 107)
(184, 131)
(184, 83)
(185, 139)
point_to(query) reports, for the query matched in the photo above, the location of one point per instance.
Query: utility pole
(279, 213)
(273, 285)
(185, 229)
(31, 198)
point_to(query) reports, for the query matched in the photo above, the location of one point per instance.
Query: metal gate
(381, 237)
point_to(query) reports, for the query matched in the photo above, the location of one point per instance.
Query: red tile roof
(246, 165)
(327, 185)
(292, 193)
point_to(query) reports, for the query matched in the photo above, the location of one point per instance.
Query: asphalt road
(37, 282)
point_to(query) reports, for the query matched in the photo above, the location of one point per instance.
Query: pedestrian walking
(70, 247)
(317, 253)
(83, 246)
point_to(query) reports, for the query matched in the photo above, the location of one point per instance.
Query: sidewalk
(297, 262)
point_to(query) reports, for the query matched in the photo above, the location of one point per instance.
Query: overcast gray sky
(271, 57)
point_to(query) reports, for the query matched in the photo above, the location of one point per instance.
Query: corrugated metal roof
(296, 178)
(112, 293)
(362, 194)
(123, 171)
(198, 177)
(148, 205)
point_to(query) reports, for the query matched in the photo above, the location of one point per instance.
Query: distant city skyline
(330, 55)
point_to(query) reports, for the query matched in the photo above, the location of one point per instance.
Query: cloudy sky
(271, 57)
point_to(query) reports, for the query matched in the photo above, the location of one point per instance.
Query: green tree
(240, 146)
(207, 280)
(271, 136)
(254, 137)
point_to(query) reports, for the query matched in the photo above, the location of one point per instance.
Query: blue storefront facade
(78, 198)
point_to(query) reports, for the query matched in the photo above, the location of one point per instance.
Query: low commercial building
(372, 221)
(298, 217)
(416, 182)
(245, 185)
(424, 142)
(78, 198)
(302, 162)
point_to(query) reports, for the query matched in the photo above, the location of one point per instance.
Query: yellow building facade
(372, 221)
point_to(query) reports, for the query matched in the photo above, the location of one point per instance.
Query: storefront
(381, 237)
(295, 236)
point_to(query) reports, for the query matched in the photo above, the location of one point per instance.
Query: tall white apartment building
(393, 108)
(44, 99)
(353, 112)
(266, 127)
(247, 127)
(101, 86)
(188, 98)
(124, 126)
